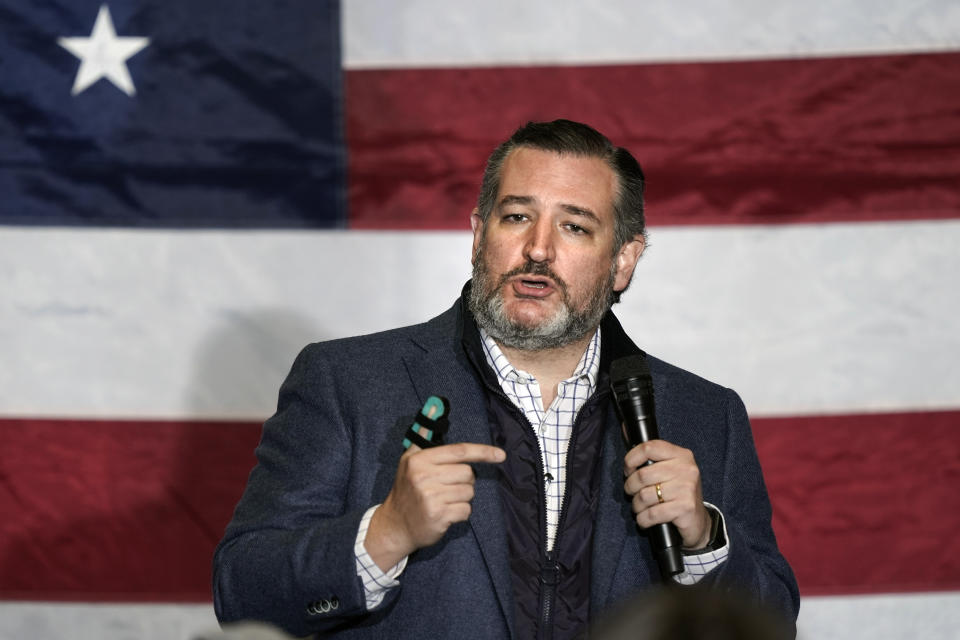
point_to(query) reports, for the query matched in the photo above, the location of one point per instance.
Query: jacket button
(323, 606)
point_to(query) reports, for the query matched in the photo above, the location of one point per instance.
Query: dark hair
(566, 136)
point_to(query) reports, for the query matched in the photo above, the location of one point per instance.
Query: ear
(476, 223)
(627, 259)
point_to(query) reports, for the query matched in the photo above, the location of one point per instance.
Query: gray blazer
(331, 451)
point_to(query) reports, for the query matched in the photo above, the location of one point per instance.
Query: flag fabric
(237, 108)
(189, 194)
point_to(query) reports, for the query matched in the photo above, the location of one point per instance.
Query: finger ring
(659, 494)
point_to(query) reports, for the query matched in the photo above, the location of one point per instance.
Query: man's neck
(549, 366)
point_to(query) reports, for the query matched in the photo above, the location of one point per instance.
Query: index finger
(652, 451)
(465, 452)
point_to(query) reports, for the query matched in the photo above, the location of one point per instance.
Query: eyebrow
(580, 211)
(506, 200)
(569, 208)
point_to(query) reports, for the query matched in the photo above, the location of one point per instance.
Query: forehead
(552, 179)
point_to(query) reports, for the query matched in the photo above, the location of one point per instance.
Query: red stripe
(844, 139)
(131, 511)
(117, 511)
(865, 503)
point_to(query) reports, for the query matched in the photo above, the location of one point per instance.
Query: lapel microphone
(632, 388)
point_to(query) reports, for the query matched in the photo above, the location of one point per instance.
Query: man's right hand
(432, 490)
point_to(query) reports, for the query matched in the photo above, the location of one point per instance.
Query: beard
(568, 324)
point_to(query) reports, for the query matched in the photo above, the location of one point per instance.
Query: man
(530, 521)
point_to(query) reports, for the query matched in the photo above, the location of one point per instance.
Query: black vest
(551, 591)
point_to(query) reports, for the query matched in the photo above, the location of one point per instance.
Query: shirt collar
(588, 367)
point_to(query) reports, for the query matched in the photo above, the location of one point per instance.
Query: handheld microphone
(632, 388)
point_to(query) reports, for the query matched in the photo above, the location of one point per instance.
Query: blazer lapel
(610, 530)
(445, 372)
(617, 569)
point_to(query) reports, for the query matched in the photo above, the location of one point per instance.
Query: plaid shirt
(554, 424)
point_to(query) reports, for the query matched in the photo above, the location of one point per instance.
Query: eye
(514, 217)
(575, 228)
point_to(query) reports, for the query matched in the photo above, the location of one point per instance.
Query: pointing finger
(466, 452)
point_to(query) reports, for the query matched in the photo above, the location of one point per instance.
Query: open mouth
(535, 284)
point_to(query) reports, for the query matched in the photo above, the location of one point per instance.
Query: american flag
(190, 192)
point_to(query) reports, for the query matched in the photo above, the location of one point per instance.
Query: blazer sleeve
(755, 567)
(287, 557)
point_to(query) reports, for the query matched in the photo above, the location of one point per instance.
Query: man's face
(543, 262)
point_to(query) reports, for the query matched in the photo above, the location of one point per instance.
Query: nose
(539, 242)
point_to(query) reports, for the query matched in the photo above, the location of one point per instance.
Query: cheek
(588, 271)
(499, 255)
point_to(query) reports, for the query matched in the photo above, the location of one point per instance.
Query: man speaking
(532, 517)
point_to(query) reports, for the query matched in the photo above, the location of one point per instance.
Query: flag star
(103, 55)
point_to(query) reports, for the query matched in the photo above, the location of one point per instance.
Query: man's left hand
(680, 499)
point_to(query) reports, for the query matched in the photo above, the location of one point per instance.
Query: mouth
(537, 284)
(527, 286)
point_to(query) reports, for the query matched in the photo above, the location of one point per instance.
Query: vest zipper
(549, 578)
(550, 568)
(550, 571)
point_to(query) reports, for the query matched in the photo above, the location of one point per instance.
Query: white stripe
(419, 33)
(931, 616)
(75, 621)
(204, 324)
(807, 319)
(800, 319)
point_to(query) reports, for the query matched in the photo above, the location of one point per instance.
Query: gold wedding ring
(659, 494)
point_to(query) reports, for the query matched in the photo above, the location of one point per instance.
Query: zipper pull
(550, 570)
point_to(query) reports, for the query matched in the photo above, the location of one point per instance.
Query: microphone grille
(633, 366)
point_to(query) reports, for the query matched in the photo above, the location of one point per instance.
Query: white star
(103, 55)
